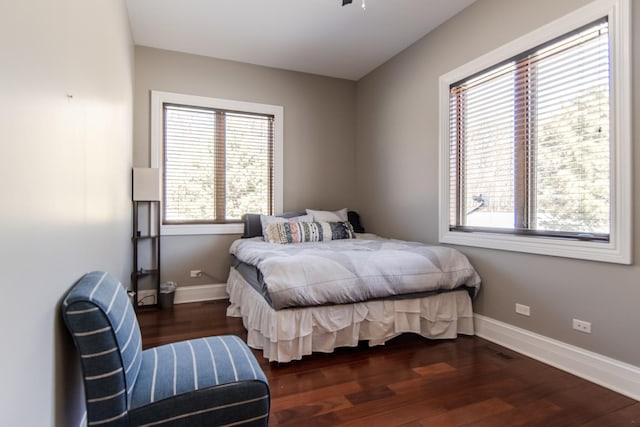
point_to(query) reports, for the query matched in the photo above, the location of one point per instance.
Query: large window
(533, 148)
(219, 161)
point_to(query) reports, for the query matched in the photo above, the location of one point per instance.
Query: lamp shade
(146, 184)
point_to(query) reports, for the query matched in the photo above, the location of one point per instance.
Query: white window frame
(158, 99)
(618, 249)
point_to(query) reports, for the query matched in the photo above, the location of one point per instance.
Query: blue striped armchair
(208, 381)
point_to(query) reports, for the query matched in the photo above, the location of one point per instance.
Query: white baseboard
(618, 376)
(199, 293)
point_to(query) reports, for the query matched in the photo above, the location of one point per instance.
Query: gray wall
(397, 167)
(65, 166)
(319, 135)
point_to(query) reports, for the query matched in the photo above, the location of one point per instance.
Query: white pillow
(265, 220)
(328, 216)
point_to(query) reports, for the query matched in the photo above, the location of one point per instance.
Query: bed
(314, 296)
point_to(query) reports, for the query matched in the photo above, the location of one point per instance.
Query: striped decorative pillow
(299, 232)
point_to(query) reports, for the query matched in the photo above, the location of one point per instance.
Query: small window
(219, 161)
(531, 146)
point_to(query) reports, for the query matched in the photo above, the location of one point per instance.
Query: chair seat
(207, 381)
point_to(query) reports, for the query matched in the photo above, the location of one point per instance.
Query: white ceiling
(313, 36)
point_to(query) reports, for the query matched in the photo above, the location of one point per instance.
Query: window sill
(201, 229)
(612, 252)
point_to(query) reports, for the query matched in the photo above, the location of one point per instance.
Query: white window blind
(529, 142)
(218, 164)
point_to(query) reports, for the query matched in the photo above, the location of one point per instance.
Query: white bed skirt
(289, 334)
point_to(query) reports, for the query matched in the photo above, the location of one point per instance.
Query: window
(219, 160)
(535, 144)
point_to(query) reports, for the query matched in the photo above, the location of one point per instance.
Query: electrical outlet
(582, 326)
(523, 309)
(196, 273)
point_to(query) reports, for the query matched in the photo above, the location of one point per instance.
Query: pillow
(266, 220)
(328, 216)
(299, 232)
(253, 227)
(354, 220)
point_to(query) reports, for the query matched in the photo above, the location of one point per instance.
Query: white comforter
(353, 270)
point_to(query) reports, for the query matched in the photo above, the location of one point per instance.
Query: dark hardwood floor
(411, 381)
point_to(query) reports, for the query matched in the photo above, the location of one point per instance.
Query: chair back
(106, 333)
